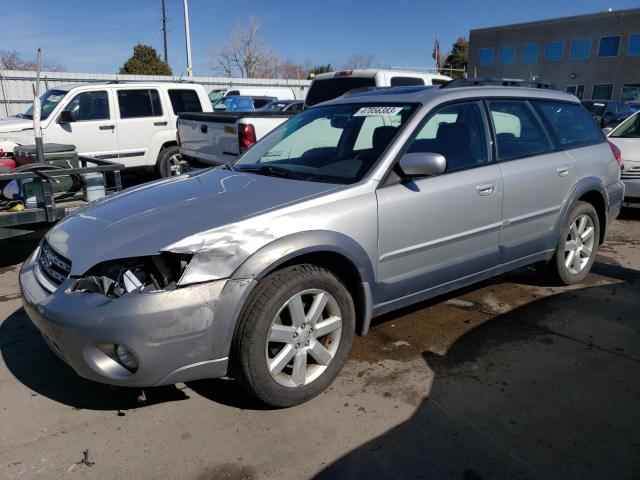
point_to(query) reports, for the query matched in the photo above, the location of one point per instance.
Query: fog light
(126, 358)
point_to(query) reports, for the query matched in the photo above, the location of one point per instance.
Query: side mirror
(423, 164)
(66, 116)
(607, 130)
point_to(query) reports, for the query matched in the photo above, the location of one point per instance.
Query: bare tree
(358, 61)
(244, 54)
(11, 60)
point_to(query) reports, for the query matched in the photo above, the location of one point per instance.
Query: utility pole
(188, 38)
(164, 31)
(36, 111)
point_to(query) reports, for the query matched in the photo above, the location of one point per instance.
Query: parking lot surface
(512, 378)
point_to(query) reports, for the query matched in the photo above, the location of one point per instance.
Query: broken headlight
(115, 278)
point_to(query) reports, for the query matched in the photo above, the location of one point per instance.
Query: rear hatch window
(330, 88)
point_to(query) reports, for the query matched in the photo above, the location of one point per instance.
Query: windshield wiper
(271, 170)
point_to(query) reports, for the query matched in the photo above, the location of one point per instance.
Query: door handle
(107, 127)
(563, 171)
(485, 189)
(160, 124)
(204, 128)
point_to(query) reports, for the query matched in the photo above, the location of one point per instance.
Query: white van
(328, 86)
(279, 93)
(133, 123)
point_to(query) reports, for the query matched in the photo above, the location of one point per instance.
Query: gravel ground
(512, 378)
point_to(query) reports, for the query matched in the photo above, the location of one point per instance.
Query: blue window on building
(486, 56)
(529, 53)
(553, 52)
(580, 49)
(609, 46)
(507, 55)
(634, 44)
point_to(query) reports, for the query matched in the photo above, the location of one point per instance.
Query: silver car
(265, 270)
(626, 137)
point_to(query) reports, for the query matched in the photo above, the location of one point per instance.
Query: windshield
(335, 144)
(594, 108)
(235, 104)
(48, 102)
(322, 90)
(630, 128)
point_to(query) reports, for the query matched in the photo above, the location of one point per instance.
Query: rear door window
(184, 101)
(139, 103)
(518, 131)
(570, 124)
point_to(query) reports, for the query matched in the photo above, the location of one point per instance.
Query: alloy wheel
(303, 338)
(579, 245)
(174, 165)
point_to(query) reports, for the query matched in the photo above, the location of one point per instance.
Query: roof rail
(181, 80)
(499, 82)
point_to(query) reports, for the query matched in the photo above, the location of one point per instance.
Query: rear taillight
(616, 153)
(344, 73)
(246, 136)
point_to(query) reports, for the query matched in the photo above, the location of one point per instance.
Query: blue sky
(98, 36)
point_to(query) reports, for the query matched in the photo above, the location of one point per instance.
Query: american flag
(436, 53)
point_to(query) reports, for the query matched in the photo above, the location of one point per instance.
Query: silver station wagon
(265, 269)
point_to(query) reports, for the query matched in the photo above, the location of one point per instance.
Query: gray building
(593, 56)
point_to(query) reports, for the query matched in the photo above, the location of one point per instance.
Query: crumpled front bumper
(176, 336)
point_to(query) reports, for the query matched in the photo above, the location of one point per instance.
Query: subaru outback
(265, 269)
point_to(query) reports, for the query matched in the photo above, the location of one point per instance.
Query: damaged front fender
(218, 253)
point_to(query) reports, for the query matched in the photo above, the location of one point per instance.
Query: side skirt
(385, 307)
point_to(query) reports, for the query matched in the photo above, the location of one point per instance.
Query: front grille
(630, 173)
(53, 266)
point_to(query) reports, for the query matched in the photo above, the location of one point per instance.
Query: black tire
(557, 266)
(165, 161)
(249, 362)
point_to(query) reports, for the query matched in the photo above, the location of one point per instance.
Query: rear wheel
(578, 245)
(170, 162)
(294, 336)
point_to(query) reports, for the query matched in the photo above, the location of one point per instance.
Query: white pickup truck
(218, 139)
(133, 122)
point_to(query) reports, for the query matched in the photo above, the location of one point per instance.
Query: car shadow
(227, 392)
(31, 361)
(546, 390)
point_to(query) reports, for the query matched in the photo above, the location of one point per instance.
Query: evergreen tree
(145, 61)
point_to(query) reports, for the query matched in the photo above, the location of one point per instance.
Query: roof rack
(499, 82)
(181, 80)
(398, 89)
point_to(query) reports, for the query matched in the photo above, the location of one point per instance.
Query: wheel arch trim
(287, 249)
(583, 187)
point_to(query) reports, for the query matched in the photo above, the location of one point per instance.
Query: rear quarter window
(330, 88)
(183, 101)
(406, 81)
(570, 124)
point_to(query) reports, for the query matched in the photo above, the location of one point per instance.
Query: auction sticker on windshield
(377, 111)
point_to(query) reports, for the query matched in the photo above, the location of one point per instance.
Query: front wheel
(294, 335)
(578, 245)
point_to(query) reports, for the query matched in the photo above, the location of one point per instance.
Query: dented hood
(145, 220)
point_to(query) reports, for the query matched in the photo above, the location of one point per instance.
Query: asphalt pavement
(512, 378)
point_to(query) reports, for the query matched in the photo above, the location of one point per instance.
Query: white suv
(134, 123)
